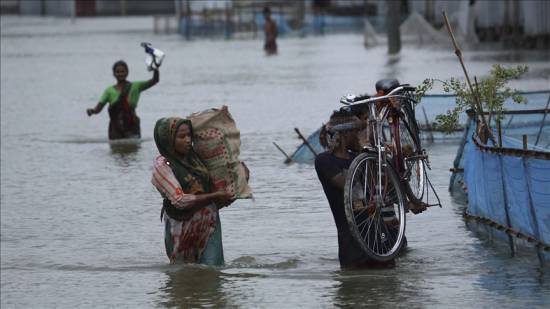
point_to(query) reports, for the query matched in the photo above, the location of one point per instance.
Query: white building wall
(537, 17)
(491, 13)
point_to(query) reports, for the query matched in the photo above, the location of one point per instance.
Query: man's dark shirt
(327, 166)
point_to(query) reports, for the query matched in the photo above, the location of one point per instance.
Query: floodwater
(80, 219)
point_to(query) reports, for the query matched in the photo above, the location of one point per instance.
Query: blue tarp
(511, 190)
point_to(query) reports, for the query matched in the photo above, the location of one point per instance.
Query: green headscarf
(189, 170)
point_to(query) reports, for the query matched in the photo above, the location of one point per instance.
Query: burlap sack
(217, 141)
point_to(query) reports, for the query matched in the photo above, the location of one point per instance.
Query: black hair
(341, 113)
(386, 85)
(118, 63)
(266, 10)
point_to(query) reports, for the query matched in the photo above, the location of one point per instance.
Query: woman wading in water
(190, 207)
(123, 99)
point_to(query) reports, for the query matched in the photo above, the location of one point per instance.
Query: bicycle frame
(380, 113)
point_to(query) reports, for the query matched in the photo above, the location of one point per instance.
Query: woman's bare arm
(96, 110)
(153, 81)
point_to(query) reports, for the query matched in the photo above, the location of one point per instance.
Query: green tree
(492, 91)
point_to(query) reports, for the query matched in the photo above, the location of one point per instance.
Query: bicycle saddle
(386, 85)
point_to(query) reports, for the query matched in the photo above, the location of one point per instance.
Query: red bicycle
(389, 176)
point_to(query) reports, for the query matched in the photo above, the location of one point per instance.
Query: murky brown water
(80, 220)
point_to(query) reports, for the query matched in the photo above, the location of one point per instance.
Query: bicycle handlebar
(364, 99)
(352, 98)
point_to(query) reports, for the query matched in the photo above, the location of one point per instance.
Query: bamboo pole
(288, 158)
(475, 95)
(305, 141)
(542, 122)
(499, 130)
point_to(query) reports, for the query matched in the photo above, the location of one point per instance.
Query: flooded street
(80, 219)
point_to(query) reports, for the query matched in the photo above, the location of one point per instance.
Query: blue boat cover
(303, 154)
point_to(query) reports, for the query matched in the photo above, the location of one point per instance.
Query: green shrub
(491, 90)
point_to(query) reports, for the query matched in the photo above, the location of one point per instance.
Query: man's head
(267, 12)
(385, 86)
(341, 131)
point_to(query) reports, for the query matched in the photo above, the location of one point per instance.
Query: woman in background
(123, 98)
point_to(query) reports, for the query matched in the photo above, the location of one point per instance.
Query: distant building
(70, 8)
(521, 22)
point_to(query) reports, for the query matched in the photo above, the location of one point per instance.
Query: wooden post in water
(123, 7)
(392, 25)
(301, 16)
(187, 14)
(288, 158)
(254, 24)
(228, 22)
(177, 7)
(531, 209)
(543, 120)
(499, 130)
(504, 191)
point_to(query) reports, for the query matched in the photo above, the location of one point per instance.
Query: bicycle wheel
(415, 173)
(376, 217)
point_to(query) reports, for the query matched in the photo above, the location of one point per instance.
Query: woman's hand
(224, 198)
(246, 171)
(96, 109)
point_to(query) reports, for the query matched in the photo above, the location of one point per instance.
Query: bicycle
(388, 177)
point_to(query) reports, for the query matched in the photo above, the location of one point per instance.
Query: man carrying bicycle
(331, 167)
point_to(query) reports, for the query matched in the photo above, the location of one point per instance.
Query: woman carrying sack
(190, 205)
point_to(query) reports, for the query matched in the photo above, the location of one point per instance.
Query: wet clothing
(191, 237)
(111, 94)
(327, 166)
(270, 47)
(123, 121)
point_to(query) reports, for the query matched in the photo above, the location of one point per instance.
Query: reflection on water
(194, 286)
(126, 149)
(526, 287)
(126, 152)
(367, 288)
